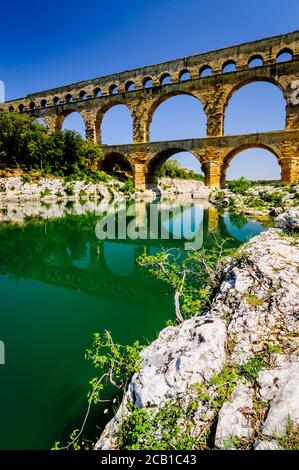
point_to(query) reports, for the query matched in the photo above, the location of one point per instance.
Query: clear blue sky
(51, 43)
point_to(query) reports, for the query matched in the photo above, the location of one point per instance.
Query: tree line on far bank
(25, 145)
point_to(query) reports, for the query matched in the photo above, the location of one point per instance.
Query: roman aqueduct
(142, 90)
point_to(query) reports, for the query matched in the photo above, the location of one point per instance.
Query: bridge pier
(290, 170)
(139, 176)
(212, 172)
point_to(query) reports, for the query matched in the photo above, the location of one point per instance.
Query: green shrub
(240, 185)
(24, 143)
(172, 169)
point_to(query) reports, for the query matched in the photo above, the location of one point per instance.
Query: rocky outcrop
(16, 188)
(257, 200)
(251, 329)
(171, 187)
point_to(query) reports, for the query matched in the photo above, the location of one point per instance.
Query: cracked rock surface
(255, 309)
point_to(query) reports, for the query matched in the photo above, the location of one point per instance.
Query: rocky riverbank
(17, 188)
(258, 200)
(232, 375)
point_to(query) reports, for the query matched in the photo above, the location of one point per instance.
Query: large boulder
(289, 220)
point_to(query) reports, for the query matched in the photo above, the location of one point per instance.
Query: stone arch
(256, 60)
(113, 89)
(160, 158)
(69, 98)
(82, 95)
(162, 98)
(44, 103)
(205, 71)
(97, 92)
(287, 52)
(227, 97)
(236, 151)
(60, 119)
(147, 82)
(40, 121)
(165, 76)
(184, 74)
(111, 159)
(130, 85)
(229, 66)
(101, 113)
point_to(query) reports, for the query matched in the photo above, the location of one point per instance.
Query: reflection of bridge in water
(51, 254)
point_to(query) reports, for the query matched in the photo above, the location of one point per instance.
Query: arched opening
(284, 55)
(117, 165)
(165, 79)
(184, 75)
(74, 122)
(32, 105)
(56, 100)
(174, 163)
(254, 164)
(21, 108)
(116, 126)
(44, 103)
(113, 89)
(68, 98)
(255, 107)
(40, 121)
(255, 61)
(205, 71)
(97, 92)
(178, 117)
(147, 82)
(130, 86)
(82, 95)
(229, 66)
(11, 109)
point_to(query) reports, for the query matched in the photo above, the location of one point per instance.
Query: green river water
(60, 283)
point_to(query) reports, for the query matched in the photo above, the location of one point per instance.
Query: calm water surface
(59, 284)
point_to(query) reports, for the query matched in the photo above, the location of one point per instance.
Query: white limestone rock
(235, 416)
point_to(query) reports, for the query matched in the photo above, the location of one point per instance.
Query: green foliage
(193, 277)
(254, 300)
(113, 362)
(240, 185)
(274, 348)
(172, 169)
(121, 362)
(45, 193)
(24, 143)
(290, 441)
(128, 187)
(253, 366)
(274, 198)
(232, 442)
(159, 429)
(224, 383)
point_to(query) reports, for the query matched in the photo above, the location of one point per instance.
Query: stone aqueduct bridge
(92, 98)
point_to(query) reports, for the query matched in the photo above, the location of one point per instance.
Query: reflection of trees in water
(238, 220)
(44, 243)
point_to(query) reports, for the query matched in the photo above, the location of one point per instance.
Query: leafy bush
(240, 185)
(172, 169)
(24, 143)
